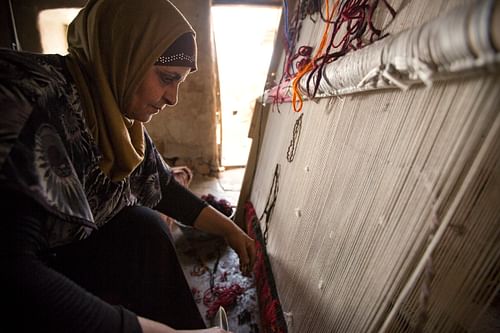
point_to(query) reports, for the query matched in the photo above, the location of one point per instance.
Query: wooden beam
(276, 3)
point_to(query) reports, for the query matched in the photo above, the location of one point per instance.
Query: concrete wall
(186, 134)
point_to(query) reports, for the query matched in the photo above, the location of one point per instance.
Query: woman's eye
(166, 79)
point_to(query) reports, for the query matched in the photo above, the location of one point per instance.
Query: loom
(387, 217)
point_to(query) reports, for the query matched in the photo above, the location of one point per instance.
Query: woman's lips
(158, 108)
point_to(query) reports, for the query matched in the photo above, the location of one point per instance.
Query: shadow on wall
(305, 305)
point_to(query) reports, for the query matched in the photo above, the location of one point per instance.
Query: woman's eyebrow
(171, 75)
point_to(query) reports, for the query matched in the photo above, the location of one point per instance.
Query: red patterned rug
(271, 314)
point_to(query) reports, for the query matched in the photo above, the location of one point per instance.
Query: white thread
(447, 47)
(321, 284)
(366, 183)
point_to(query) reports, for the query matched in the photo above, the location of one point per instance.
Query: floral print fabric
(48, 153)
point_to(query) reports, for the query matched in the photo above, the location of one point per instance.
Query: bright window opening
(244, 39)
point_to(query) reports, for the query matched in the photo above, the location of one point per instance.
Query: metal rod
(15, 43)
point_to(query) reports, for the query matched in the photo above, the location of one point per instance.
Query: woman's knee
(141, 221)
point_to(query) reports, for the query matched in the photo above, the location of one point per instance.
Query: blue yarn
(287, 29)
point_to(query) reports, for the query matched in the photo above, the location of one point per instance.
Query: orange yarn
(309, 66)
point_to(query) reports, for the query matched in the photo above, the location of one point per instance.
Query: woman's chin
(145, 115)
(146, 119)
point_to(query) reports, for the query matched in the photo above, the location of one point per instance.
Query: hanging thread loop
(292, 148)
(271, 201)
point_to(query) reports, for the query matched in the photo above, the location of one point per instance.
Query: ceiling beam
(248, 2)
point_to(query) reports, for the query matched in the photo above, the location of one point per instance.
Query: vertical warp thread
(349, 319)
(428, 272)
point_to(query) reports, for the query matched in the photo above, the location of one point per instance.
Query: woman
(83, 247)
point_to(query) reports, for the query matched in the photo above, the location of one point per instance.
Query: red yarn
(221, 296)
(271, 315)
(352, 28)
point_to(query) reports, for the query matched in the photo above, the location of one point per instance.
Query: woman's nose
(171, 94)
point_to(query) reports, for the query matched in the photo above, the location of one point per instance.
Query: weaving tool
(221, 319)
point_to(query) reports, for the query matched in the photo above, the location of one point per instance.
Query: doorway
(244, 39)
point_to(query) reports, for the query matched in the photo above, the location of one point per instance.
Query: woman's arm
(183, 205)
(212, 221)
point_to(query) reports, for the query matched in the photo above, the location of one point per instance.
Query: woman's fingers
(247, 256)
(244, 260)
(244, 247)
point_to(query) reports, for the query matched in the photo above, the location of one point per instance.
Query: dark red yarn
(222, 205)
(221, 296)
(357, 18)
(271, 314)
(354, 20)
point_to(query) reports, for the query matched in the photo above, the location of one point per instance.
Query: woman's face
(158, 89)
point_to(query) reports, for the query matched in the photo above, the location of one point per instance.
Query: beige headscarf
(112, 44)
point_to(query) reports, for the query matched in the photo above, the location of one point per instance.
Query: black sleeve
(180, 203)
(37, 298)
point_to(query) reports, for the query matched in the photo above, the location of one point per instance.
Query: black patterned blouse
(48, 154)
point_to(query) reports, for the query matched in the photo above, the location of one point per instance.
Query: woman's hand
(214, 222)
(244, 246)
